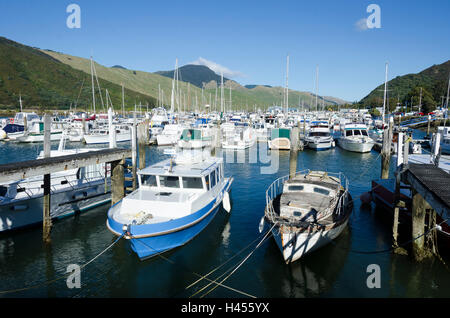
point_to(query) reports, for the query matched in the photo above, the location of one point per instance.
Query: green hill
(46, 83)
(155, 85)
(197, 75)
(402, 89)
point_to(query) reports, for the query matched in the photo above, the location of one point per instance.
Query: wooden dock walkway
(432, 183)
(30, 168)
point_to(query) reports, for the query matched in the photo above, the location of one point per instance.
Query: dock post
(46, 219)
(134, 152)
(428, 126)
(83, 128)
(293, 155)
(117, 181)
(402, 158)
(142, 140)
(419, 211)
(386, 150)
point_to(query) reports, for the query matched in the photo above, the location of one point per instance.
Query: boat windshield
(169, 181)
(192, 183)
(191, 134)
(319, 134)
(148, 180)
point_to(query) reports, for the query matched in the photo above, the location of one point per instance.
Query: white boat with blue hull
(175, 201)
(72, 191)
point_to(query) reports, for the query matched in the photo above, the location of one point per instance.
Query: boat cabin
(169, 177)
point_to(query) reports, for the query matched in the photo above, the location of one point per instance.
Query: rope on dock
(238, 266)
(196, 274)
(4, 292)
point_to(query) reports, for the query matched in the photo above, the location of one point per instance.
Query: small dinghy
(307, 212)
(175, 201)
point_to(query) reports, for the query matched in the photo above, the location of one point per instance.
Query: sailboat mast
(93, 88)
(123, 102)
(287, 87)
(221, 92)
(317, 83)
(385, 92)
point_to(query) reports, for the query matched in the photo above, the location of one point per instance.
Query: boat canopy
(281, 133)
(191, 134)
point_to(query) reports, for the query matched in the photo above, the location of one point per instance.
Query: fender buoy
(261, 225)
(226, 202)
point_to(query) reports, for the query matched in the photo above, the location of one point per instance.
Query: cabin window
(321, 191)
(148, 180)
(295, 188)
(207, 182)
(348, 133)
(357, 132)
(169, 181)
(192, 183)
(3, 191)
(364, 132)
(213, 178)
(218, 174)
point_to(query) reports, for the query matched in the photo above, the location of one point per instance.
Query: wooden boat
(307, 211)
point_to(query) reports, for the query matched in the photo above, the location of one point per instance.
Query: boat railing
(276, 188)
(88, 177)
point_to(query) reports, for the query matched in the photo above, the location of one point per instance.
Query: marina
(228, 235)
(189, 156)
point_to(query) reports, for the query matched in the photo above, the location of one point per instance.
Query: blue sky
(249, 38)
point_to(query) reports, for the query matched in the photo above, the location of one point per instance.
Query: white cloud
(217, 68)
(361, 24)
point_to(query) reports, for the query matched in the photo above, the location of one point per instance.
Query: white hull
(26, 212)
(296, 245)
(240, 144)
(355, 146)
(167, 140)
(104, 139)
(38, 137)
(279, 144)
(194, 144)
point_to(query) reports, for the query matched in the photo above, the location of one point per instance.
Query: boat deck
(308, 201)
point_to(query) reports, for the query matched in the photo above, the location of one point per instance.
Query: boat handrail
(276, 188)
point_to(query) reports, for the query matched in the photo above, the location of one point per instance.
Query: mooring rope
(242, 262)
(220, 276)
(196, 274)
(4, 292)
(224, 263)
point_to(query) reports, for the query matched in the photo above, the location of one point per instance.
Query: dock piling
(293, 156)
(117, 181)
(143, 139)
(46, 219)
(134, 152)
(386, 149)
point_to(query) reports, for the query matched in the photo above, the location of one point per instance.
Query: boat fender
(261, 225)
(226, 202)
(126, 231)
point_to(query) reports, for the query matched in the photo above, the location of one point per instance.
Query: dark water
(333, 271)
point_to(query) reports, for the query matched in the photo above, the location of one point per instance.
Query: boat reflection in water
(313, 276)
